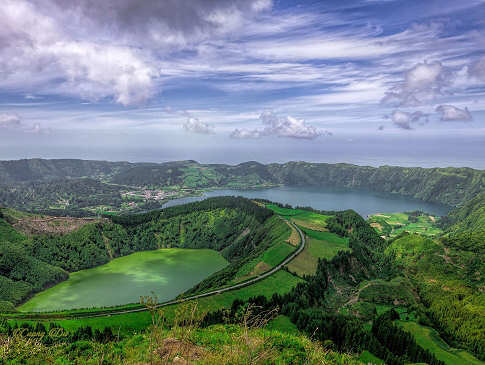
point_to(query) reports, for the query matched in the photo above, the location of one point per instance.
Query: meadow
(319, 245)
(392, 224)
(303, 218)
(165, 272)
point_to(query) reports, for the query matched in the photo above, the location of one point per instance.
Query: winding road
(207, 294)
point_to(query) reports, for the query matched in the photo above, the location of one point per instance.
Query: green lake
(166, 273)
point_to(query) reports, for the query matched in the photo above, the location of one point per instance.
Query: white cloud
(421, 84)
(194, 125)
(281, 127)
(11, 121)
(404, 120)
(15, 122)
(106, 49)
(452, 113)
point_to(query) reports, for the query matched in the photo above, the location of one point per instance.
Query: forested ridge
(72, 186)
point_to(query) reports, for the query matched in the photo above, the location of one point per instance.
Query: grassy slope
(278, 249)
(327, 247)
(443, 282)
(218, 344)
(430, 340)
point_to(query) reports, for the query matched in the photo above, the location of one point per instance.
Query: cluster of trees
(60, 197)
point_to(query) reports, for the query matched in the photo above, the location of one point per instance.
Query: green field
(430, 340)
(165, 272)
(301, 217)
(318, 245)
(392, 224)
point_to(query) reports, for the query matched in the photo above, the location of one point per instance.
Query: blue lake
(322, 198)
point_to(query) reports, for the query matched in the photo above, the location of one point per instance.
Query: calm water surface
(362, 202)
(165, 273)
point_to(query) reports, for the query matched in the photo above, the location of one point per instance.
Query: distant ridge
(451, 185)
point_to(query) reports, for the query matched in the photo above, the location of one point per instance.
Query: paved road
(213, 292)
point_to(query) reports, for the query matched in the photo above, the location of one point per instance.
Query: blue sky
(362, 81)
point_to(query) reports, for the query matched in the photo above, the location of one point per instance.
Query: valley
(357, 287)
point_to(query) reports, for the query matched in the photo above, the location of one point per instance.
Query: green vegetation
(165, 273)
(185, 341)
(302, 217)
(367, 358)
(442, 277)
(429, 339)
(393, 224)
(282, 324)
(319, 245)
(416, 298)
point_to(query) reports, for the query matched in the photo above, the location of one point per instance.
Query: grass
(166, 272)
(368, 358)
(430, 340)
(283, 324)
(277, 253)
(318, 245)
(182, 344)
(302, 217)
(392, 224)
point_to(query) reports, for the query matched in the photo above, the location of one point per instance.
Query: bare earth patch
(52, 225)
(309, 225)
(294, 238)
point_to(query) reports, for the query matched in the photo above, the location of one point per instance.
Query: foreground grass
(219, 344)
(430, 340)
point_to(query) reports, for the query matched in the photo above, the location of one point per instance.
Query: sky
(374, 82)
